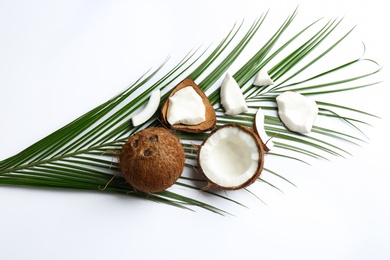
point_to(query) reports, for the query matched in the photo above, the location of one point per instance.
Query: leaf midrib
(56, 158)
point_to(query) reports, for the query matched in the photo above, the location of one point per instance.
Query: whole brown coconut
(152, 160)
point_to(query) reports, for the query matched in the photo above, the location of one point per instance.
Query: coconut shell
(259, 169)
(152, 160)
(210, 116)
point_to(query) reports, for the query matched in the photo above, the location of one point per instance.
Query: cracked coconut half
(188, 109)
(231, 157)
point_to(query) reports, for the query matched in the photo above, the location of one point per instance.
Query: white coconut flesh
(229, 157)
(186, 107)
(232, 99)
(262, 79)
(148, 111)
(296, 111)
(259, 122)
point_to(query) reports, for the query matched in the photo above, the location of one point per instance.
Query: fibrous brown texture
(210, 121)
(152, 160)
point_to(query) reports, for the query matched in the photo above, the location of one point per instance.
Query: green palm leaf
(83, 154)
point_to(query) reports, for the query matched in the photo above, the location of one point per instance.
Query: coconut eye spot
(148, 152)
(153, 138)
(135, 143)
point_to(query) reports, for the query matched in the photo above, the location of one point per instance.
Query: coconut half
(258, 125)
(188, 117)
(152, 160)
(231, 157)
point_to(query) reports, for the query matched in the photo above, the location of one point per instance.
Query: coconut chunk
(268, 144)
(296, 111)
(210, 117)
(262, 79)
(231, 157)
(149, 110)
(186, 107)
(232, 98)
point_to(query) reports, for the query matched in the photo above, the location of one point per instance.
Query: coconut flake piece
(149, 110)
(262, 79)
(186, 107)
(231, 157)
(232, 98)
(296, 111)
(268, 144)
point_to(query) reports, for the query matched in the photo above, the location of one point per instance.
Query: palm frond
(82, 155)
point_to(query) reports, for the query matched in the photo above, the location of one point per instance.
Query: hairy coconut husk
(152, 160)
(208, 124)
(260, 164)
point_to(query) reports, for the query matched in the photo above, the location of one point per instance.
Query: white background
(58, 59)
